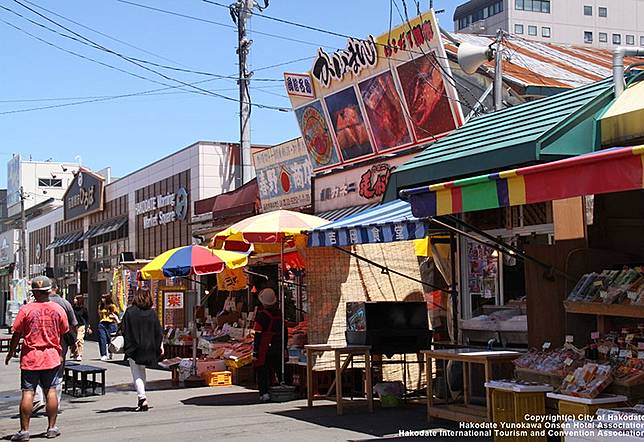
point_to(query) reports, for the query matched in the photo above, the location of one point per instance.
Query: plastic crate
(218, 378)
(239, 363)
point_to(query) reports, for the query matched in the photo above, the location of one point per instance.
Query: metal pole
(498, 72)
(281, 278)
(244, 11)
(23, 236)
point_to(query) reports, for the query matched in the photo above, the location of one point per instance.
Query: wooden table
(349, 351)
(467, 412)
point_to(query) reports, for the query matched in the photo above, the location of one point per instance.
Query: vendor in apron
(268, 350)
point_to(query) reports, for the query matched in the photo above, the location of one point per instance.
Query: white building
(598, 23)
(40, 180)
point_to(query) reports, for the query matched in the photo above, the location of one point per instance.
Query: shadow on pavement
(118, 410)
(160, 385)
(214, 400)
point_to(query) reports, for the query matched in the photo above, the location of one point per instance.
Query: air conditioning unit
(126, 257)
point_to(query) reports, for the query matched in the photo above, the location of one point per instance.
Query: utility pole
(23, 236)
(498, 71)
(241, 11)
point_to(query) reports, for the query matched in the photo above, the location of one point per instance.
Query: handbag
(117, 345)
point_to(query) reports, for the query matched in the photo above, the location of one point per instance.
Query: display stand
(350, 351)
(465, 412)
(579, 406)
(513, 402)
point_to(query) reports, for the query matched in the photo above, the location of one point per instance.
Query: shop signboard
(355, 187)
(163, 208)
(13, 181)
(85, 195)
(378, 95)
(8, 246)
(284, 176)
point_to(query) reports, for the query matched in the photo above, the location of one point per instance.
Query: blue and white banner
(388, 222)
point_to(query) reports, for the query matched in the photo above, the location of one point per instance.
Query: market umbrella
(272, 228)
(192, 260)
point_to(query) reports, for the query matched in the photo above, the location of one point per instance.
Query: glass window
(518, 4)
(545, 7)
(630, 39)
(588, 10)
(545, 32)
(617, 39)
(532, 30)
(588, 37)
(528, 5)
(518, 29)
(603, 37)
(50, 182)
(642, 40)
(603, 12)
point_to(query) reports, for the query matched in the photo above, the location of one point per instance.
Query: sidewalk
(204, 413)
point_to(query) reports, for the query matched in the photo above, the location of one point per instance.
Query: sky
(131, 132)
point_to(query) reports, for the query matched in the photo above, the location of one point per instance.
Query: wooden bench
(77, 380)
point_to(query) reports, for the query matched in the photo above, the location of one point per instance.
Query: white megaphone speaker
(471, 57)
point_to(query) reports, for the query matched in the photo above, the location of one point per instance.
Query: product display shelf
(599, 309)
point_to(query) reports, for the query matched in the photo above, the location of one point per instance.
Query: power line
(142, 66)
(161, 57)
(212, 22)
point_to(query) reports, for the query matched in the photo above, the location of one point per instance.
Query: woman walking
(82, 317)
(108, 320)
(143, 341)
(267, 347)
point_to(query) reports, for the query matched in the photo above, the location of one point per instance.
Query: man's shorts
(30, 379)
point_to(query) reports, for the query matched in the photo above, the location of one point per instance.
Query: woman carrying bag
(143, 343)
(108, 320)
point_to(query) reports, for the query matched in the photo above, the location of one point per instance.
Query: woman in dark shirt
(268, 350)
(143, 341)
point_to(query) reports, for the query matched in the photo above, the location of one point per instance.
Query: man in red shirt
(42, 325)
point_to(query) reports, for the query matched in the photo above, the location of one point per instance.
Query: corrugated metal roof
(500, 139)
(548, 65)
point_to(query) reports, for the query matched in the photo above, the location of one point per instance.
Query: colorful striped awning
(611, 170)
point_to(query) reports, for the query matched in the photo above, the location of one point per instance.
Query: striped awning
(64, 240)
(389, 222)
(338, 214)
(611, 170)
(105, 228)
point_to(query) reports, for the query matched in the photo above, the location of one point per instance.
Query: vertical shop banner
(378, 95)
(284, 176)
(230, 280)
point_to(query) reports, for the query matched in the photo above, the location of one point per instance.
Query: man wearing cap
(42, 325)
(267, 346)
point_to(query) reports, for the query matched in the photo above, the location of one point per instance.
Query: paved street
(198, 413)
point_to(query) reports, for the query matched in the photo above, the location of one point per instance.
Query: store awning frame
(64, 240)
(345, 212)
(105, 228)
(388, 222)
(606, 171)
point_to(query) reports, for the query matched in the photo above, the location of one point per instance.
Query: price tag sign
(625, 354)
(603, 294)
(630, 337)
(640, 345)
(594, 335)
(640, 355)
(569, 339)
(598, 283)
(632, 295)
(546, 345)
(568, 362)
(570, 378)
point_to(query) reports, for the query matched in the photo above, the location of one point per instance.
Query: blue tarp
(389, 222)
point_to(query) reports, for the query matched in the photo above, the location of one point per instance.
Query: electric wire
(142, 66)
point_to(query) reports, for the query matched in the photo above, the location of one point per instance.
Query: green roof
(544, 130)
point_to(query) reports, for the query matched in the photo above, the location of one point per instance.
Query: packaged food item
(588, 381)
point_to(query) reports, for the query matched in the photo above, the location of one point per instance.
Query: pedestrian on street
(108, 320)
(42, 325)
(143, 344)
(82, 317)
(267, 346)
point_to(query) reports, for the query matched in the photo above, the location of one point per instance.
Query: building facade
(598, 23)
(40, 181)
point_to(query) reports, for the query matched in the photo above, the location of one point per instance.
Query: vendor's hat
(267, 297)
(40, 284)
